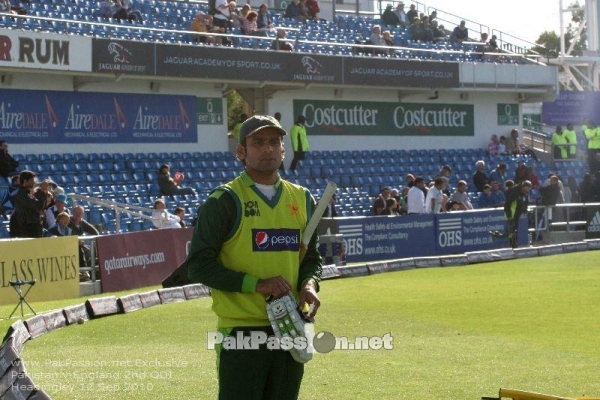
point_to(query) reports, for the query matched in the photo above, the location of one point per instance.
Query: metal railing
(559, 223)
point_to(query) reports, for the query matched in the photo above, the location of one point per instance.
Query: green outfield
(458, 333)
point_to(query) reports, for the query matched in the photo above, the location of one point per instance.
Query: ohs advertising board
(72, 117)
(139, 259)
(387, 238)
(330, 117)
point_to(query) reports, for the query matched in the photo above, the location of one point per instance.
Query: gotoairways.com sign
(28, 116)
(325, 117)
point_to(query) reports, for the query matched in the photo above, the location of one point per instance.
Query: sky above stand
(525, 19)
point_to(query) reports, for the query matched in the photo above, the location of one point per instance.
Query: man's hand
(308, 294)
(276, 286)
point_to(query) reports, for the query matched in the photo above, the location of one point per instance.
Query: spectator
(560, 152)
(280, 43)
(572, 184)
(498, 197)
(411, 14)
(61, 227)
(515, 148)
(180, 212)
(163, 219)
(460, 33)
(380, 202)
(586, 189)
(264, 20)
(502, 146)
(432, 16)
(293, 11)
(107, 9)
(299, 141)
(485, 199)
(461, 198)
(426, 31)
(436, 200)
(401, 15)
(169, 186)
(493, 146)
(376, 40)
(417, 29)
(250, 26)
(416, 198)
(81, 227)
(200, 24)
(438, 31)
(493, 44)
(387, 38)
(234, 15)
(480, 178)
(8, 164)
(303, 10)
(391, 207)
(313, 9)
(330, 211)
(221, 17)
(571, 138)
(498, 174)
(389, 17)
(533, 178)
(410, 180)
(60, 206)
(521, 173)
(26, 219)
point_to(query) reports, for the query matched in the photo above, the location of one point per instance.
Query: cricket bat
(316, 217)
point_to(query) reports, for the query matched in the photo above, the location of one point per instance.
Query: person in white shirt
(435, 201)
(416, 197)
(162, 218)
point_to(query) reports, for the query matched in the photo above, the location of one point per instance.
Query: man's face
(4, 147)
(60, 206)
(461, 188)
(263, 152)
(385, 194)
(525, 189)
(495, 186)
(28, 183)
(78, 214)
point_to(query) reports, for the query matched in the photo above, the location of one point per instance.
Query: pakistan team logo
(251, 209)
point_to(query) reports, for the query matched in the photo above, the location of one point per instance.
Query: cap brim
(280, 130)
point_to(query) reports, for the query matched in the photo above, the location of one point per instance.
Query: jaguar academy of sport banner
(139, 259)
(74, 117)
(208, 62)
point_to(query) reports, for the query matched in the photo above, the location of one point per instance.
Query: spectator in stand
(560, 152)
(498, 174)
(480, 178)
(380, 202)
(433, 16)
(410, 180)
(169, 186)
(411, 14)
(572, 184)
(235, 132)
(79, 226)
(493, 44)
(61, 227)
(498, 197)
(280, 43)
(533, 178)
(377, 40)
(416, 198)
(299, 141)
(426, 31)
(571, 138)
(387, 38)
(521, 173)
(592, 133)
(200, 24)
(586, 189)
(389, 17)
(313, 9)
(417, 29)
(401, 15)
(460, 33)
(221, 16)
(250, 27)
(461, 197)
(493, 146)
(163, 219)
(235, 16)
(485, 199)
(515, 148)
(391, 207)
(264, 21)
(60, 206)
(8, 164)
(502, 146)
(293, 11)
(438, 31)
(26, 219)
(436, 200)
(180, 212)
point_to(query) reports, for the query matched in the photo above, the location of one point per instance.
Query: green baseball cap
(258, 122)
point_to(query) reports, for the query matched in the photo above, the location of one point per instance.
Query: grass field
(459, 333)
